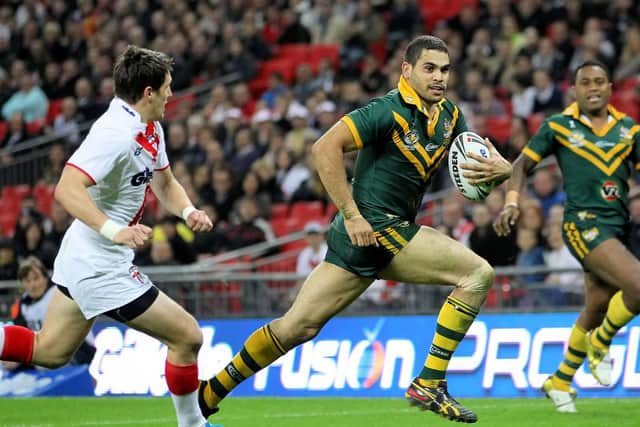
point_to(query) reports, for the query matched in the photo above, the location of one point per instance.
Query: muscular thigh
(433, 258)
(325, 292)
(612, 262)
(165, 320)
(64, 328)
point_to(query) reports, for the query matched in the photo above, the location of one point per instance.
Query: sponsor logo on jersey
(584, 215)
(590, 234)
(142, 178)
(610, 191)
(605, 144)
(410, 139)
(432, 146)
(448, 130)
(576, 138)
(626, 137)
(138, 151)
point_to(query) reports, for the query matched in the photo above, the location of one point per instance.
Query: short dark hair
(136, 68)
(591, 63)
(29, 264)
(416, 46)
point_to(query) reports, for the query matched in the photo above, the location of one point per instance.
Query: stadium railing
(242, 287)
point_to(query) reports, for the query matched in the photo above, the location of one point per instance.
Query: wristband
(511, 197)
(110, 228)
(510, 205)
(355, 217)
(187, 211)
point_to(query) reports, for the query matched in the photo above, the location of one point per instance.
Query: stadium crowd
(244, 151)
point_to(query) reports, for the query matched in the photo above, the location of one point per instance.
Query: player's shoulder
(118, 124)
(448, 105)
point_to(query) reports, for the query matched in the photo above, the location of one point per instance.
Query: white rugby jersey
(119, 155)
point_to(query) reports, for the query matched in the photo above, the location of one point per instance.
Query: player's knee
(55, 360)
(190, 339)
(479, 281)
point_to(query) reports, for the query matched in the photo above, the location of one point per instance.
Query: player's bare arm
(495, 169)
(174, 198)
(509, 215)
(71, 192)
(329, 161)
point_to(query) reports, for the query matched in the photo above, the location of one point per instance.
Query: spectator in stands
(250, 228)
(325, 115)
(30, 309)
(518, 138)
(532, 216)
(293, 31)
(372, 77)
(16, 132)
(296, 139)
(55, 163)
(268, 181)
(222, 193)
(251, 187)
(530, 254)
(484, 241)
(303, 86)
(487, 103)
(36, 245)
(87, 103)
(244, 151)
(629, 63)
(314, 252)
(325, 25)
(548, 97)
(453, 218)
(179, 238)
(546, 188)
(29, 100)
(60, 221)
(67, 123)
(549, 59)
(213, 241)
(8, 260)
(567, 287)
(289, 172)
(276, 88)
(71, 73)
(239, 60)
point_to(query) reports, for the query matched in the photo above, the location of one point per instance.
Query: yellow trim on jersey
(397, 237)
(609, 170)
(386, 243)
(606, 156)
(574, 111)
(410, 96)
(575, 239)
(354, 131)
(408, 154)
(454, 116)
(531, 154)
(431, 128)
(418, 146)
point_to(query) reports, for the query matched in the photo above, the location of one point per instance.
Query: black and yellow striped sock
(617, 316)
(573, 358)
(261, 349)
(454, 320)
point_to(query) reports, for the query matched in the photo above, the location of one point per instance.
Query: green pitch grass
(256, 412)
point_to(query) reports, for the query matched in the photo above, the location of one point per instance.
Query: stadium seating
(43, 193)
(55, 108)
(534, 121)
(499, 128)
(279, 210)
(307, 211)
(35, 127)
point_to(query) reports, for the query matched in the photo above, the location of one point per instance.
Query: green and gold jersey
(595, 163)
(400, 149)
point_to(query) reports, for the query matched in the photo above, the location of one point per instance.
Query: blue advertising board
(503, 355)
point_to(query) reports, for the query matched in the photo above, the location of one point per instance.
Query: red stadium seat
(298, 52)
(279, 210)
(330, 51)
(17, 192)
(8, 221)
(35, 127)
(499, 128)
(55, 108)
(44, 195)
(307, 211)
(534, 122)
(3, 131)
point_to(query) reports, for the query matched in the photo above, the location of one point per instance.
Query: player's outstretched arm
(174, 198)
(71, 192)
(511, 211)
(329, 161)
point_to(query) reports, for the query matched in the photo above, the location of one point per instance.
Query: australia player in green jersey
(595, 144)
(402, 137)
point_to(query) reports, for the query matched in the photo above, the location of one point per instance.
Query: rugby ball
(467, 142)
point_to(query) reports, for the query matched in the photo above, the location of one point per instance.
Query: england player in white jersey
(103, 186)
